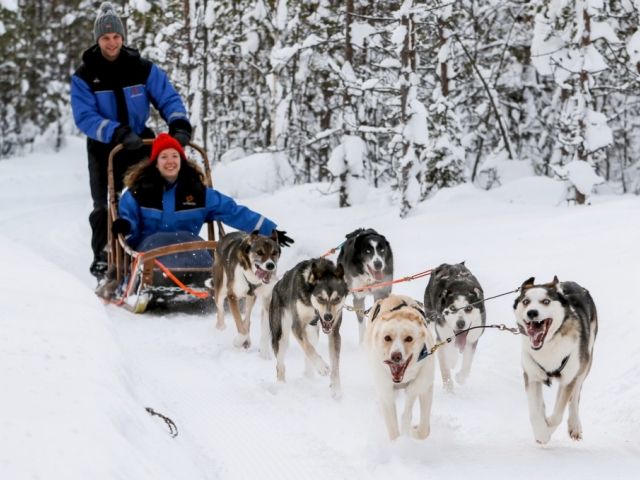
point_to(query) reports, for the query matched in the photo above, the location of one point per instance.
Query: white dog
(399, 343)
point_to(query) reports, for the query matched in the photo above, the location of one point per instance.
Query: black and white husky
(559, 323)
(366, 258)
(309, 296)
(454, 301)
(245, 268)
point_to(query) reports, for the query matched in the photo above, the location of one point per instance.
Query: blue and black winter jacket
(152, 206)
(105, 94)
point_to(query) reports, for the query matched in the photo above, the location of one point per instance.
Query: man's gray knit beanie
(107, 21)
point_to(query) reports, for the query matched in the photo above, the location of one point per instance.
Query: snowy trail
(236, 422)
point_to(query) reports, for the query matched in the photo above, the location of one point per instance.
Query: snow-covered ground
(76, 375)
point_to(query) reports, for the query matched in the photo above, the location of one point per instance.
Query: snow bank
(68, 402)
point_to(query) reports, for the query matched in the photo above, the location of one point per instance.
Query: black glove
(180, 130)
(129, 139)
(283, 239)
(120, 225)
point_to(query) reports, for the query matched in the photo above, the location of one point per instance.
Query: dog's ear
(562, 299)
(478, 293)
(274, 235)
(441, 303)
(555, 281)
(313, 273)
(376, 311)
(354, 234)
(245, 246)
(462, 262)
(528, 283)
(339, 273)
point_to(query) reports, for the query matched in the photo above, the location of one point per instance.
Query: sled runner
(167, 268)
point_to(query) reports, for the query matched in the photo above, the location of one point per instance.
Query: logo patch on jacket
(189, 201)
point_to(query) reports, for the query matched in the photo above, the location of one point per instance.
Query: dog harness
(252, 286)
(556, 373)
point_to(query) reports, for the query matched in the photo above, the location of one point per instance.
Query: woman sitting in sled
(168, 202)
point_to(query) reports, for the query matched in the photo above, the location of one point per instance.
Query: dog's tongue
(377, 274)
(461, 341)
(398, 369)
(536, 332)
(263, 274)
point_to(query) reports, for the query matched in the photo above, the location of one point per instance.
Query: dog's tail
(275, 321)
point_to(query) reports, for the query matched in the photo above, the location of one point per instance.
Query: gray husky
(309, 296)
(366, 258)
(245, 268)
(454, 301)
(559, 323)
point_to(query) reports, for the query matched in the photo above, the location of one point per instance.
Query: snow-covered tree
(565, 46)
(445, 155)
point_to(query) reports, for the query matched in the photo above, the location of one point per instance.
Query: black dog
(454, 301)
(367, 259)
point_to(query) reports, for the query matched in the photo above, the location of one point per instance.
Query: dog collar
(252, 286)
(424, 353)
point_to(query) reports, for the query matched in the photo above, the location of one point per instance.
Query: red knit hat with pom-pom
(162, 142)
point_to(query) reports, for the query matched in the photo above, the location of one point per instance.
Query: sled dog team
(557, 320)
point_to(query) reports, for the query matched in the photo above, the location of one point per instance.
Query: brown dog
(245, 268)
(399, 346)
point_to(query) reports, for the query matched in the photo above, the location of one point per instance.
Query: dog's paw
(447, 384)
(242, 341)
(575, 430)
(336, 391)
(576, 435)
(220, 326)
(420, 433)
(542, 435)
(321, 367)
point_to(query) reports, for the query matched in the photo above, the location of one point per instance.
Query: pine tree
(564, 47)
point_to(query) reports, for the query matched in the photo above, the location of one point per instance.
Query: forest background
(411, 95)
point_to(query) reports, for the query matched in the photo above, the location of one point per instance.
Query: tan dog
(398, 343)
(245, 267)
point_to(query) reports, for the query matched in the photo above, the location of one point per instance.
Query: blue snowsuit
(107, 94)
(152, 206)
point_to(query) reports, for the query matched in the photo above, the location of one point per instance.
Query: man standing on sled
(111, 94)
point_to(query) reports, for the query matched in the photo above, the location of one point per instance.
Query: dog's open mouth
(398, 369)
(376, 274)
(326, 326)
(537, 332)
(461, 340)
(263, 275)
